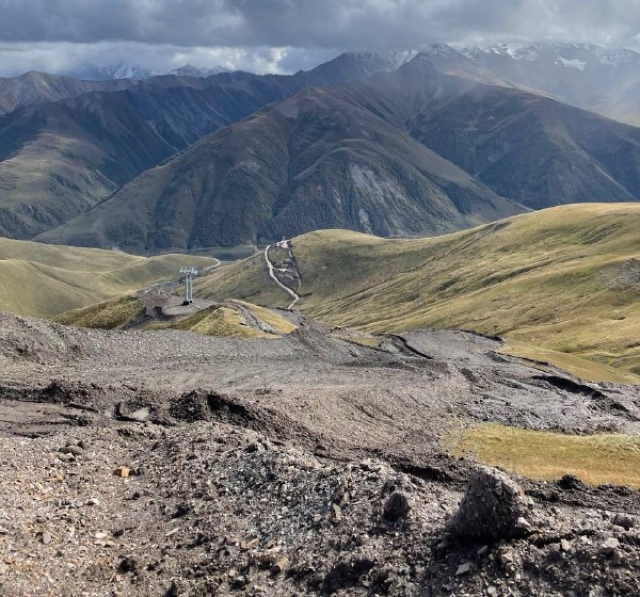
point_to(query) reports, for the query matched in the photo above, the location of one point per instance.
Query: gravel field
(171, 464)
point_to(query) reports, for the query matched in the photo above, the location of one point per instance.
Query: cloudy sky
(285, 35)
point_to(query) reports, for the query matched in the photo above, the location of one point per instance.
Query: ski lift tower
(189, 273)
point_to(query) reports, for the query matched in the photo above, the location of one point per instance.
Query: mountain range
(125, 70)
(396, 144)
(606, 81)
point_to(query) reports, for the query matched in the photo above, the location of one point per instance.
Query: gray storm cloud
(285, 35)
(345, 24)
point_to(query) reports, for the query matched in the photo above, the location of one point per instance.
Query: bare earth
(264, 467)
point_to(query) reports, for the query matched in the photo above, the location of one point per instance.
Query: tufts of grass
(542, 455)
(367, 341)
(109, 315)
(219, 321)
(278, 324)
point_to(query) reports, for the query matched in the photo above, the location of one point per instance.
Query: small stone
(280, 565)
(617, 558)
(336, 512)
(624, 521)
(75, 450)
(173, 590)
(570, 482)
(45, 538)
(182, 509)
(505, 556)
(93, 502)
(396, 507)
(609, 545)
(491, 590)
(464, 569)
(128, 564)
(140, 415)
(523, 524)
(483, 550)
(122, 471)
(248, 545)
(565, 545)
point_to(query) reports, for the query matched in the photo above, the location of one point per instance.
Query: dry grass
(594, 459)
(41, 280)
(109, 315)
(566, 280)
(278, 323)
(580, 367)
(367, 341)
(219, 321)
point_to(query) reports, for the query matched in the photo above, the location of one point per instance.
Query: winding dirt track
(273, 276)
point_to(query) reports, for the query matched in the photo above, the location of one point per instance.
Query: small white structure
(189, 273)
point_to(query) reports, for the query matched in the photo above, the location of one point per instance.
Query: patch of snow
(572, 63)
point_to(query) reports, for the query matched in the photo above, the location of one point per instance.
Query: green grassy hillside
(561, 285)
(43, 280)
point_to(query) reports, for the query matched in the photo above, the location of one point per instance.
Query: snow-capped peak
(188, 70)
(575, 55)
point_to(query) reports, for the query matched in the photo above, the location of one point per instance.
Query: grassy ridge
(566, 280)
(109, 315)
(44, 281)
(234, 319)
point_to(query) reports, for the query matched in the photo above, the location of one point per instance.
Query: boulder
(493, 508)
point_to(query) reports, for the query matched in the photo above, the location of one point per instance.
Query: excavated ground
(167, 463)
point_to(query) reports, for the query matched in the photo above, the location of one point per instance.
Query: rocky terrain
(167, 463)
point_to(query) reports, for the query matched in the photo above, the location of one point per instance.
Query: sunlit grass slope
(221, 320)
(594, 459)
(566, 280)
(41, 280)
(112, 314)
(234, 319)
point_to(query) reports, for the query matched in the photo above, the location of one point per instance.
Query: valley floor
(169, 463)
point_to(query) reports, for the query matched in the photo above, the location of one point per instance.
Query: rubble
(302, 466)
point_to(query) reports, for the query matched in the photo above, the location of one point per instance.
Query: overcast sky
(285, 35)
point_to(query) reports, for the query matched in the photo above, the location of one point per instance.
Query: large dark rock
(493, 508)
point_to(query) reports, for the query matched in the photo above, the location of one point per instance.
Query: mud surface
(264, 467)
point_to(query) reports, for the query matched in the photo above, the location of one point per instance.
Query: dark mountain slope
(312, 161)
(36, 88)
(58, 159)
(535, 150)
(528, 147)
(343, 157)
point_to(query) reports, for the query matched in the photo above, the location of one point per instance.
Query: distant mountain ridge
(412, 152)
(60, 158)
(603, 80)
(394, 144)
(125, 70)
